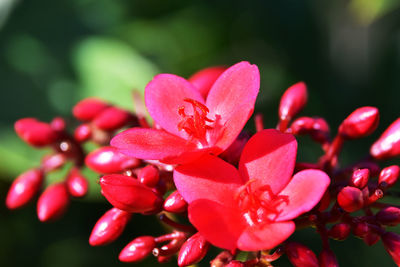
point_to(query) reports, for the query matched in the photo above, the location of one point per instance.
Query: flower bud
(350, 199)
(53, 202)
(82, 133)
(233, 152)
(300, 255)
(138, 249)
(193, 250)
(175, 203)
(88, 108)
(361, 122)
(53, 162)
(109, 160)
(149, 176)
(293, 101)
(361, 229)
(388, 145)
(325, 201)
(340, 231)
(77, 184)
(360, 178)
(205, 78)
(34, 132)
(327, 259)
(109, 227)
(389, 216)
(391, 242)
(128, 194)
(112, 118)
(371, 238)
(235, 263)
(389, 175)
(24, 188)
(58, 124)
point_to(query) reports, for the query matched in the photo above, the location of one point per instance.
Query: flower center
(259, 205)
(195, 125)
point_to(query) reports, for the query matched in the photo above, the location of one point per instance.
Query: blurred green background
(54, 53)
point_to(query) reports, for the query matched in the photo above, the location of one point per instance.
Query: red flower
(192, 126)
(250, 208)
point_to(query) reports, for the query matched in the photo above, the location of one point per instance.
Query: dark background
(54, 53)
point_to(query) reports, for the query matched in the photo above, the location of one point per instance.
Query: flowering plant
(239, 192)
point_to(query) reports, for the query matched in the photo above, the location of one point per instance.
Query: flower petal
(266, 236)
(220, 225)
(146, 143)
(164, 95)
(304, 191)
(205, 78)
(208, 178)
(269, 157)
(231, 100)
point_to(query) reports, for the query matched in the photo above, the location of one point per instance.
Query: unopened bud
(391, 242)
(193, 250)
(53, 202)
(389, 175)
(361, 122)
(388, 145)
(82, 133)
(53, 162)
(205, 78)
(325, 201)
(233, 152)
(34, 132)
(389, 216)
(88, 108)
(149, 176)
(371, 238)
(293, 101)
(175, 203)
(340, 231)
(24, 188)
(58, 124)
(300, 255)
(317, 128)
(109, 227)
(361, 229)
(112, 118)
(128, 194)
(77, 184)
(328, 259)
(360, 178)
(109, 160)
(138, 249)
(235, 263)
(350, 199)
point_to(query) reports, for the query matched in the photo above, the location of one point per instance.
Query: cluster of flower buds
(234, 190)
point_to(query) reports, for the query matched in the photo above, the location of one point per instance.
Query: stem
(176, 225)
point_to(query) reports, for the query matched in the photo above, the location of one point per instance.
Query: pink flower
(191, 125)
(250, 208)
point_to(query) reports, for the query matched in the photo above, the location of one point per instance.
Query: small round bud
(53, 202)
(293, 101)
(361, 122)
(35, 133)
(388, 145)
(175, 203)
(300, 255)
(389, 216)
(389, 175)
(235, 263)
(77, 184)
(340, 231)
(350, 199)
(138, 249)
(360, 178)
(58, 124)
(205, 78)
(327, 259)
(371, 238)
(149, 176)
(193, 250)
(112, 118)
(88, 108)
(361, 229)
(82, 133)
(53, 162)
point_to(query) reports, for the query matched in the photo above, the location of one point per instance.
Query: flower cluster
(239, 191)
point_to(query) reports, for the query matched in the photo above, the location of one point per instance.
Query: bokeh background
(54, 53)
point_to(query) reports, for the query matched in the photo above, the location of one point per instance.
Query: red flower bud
(300, 255)
(109, 160)
(388, 145)
(149, 176)
(82, 133)
(389, 216)
(128, 194)
(361, 229)
(88, 108)
(361, 122)
(360, 178)
(391, 242)
(109, 227)
(53, 202)
(24, 188)
(34, 132)
(350, 199)
(340, 231)
(76, 183)
(233, 152)
(328, 259)
(205, 78)
(293, 101)
(317, 128)
(193, 250)
(138, 249)
(371, 238)
(389, 175)
(235, 263)
(112, 118)
(58, 124)
(175, 203)
(53, 162)
(325, 201)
